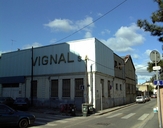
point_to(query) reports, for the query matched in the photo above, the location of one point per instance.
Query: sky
(27, 23)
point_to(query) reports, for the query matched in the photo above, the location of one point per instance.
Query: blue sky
(27, 23)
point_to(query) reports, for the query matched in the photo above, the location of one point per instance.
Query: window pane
(116, 86)
(109, 88)
(66, 88)
(102, 86)
(78, 87)
(35, 88)
(54, 88)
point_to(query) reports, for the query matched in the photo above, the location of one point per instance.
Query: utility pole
(155, 57)
(32, 78)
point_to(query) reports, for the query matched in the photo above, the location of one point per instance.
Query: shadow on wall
(55, 103)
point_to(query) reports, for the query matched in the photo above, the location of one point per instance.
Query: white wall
(104, 59)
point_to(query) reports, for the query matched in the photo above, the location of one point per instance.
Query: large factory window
(102, 87)
(54, 88)
(66, 88)
(79, 87)
(109, 87)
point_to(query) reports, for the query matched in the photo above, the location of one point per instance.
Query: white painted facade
(64, 61)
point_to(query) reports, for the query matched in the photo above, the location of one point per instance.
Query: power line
(93, 21)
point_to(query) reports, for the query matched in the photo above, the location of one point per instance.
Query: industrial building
(80, 71)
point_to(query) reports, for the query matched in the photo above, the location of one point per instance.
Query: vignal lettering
(54, 59)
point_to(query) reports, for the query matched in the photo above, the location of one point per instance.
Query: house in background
(119, 89)
(147, 88)
(130, 78)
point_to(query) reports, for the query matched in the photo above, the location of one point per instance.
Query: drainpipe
(113, 92)
(91, 79)
(86, 75)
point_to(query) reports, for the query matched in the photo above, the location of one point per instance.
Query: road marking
(128, 116)
(61, 121)
(114, 115)
(51, 124)
(143, 117)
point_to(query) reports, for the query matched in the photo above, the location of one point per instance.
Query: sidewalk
(51, 111)
(101, 112)
(40, 112)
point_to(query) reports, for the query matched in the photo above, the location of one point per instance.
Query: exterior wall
(15, 63)
(104, 61)
(44, 91)
(119, 67)
(119, 80)
(117, 96)
(0, 89)
(119, 92)
(88, 59)
(143, 88)
(102, 102)
(161, 103)
(130, 81)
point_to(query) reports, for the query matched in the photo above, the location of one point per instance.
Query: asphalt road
(134, 116)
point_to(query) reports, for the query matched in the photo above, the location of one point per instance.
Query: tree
(151, 64)
(155, 30)
(150, 69)
(157, 16)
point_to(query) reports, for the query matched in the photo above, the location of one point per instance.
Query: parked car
(140, 99)
(154, 96)
(147, 98)
(21, 103)
(12, 118)
(7, 101)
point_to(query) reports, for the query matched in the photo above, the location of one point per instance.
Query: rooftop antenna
(12, 43)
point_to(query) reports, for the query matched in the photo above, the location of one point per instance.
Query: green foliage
(157, 16)
(151, 64)
(150, 88)
(155, 30)
(150, 69)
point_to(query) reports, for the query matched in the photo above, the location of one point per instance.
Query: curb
(112, 109)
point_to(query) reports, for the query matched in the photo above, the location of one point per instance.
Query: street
(134, 116)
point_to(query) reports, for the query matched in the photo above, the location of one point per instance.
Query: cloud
(1, 53)
(106, 31)
(88, 35)
(125, 38)
(34, 45)
(66, 25)
(147, 52)
(99, 14)
(135, 56)
(61, 25)
(142, 73)
(52, 41)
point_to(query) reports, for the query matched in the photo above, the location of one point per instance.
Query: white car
(140, 99)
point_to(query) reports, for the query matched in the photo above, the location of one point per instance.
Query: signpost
(155, 58)
(158, 82)
(156, 68)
